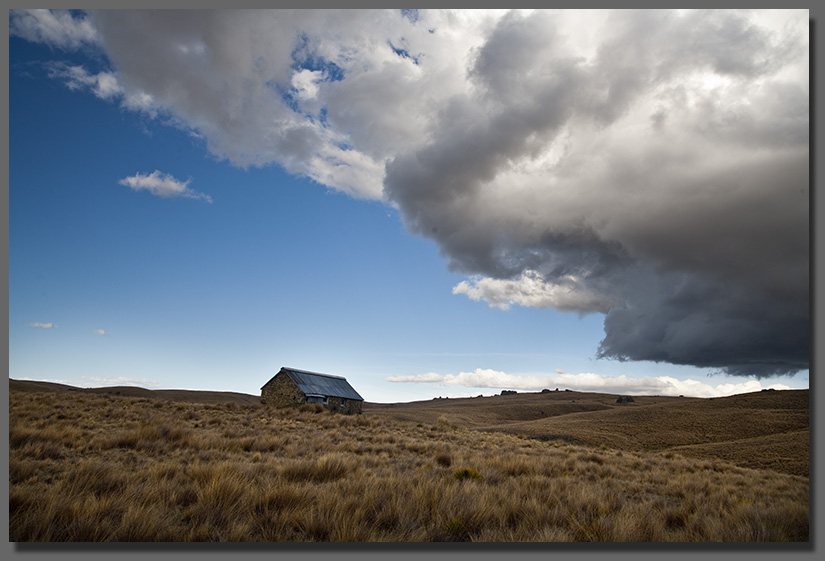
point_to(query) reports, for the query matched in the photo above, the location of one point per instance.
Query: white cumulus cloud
(163, 185)
(530, 289)
(49, 325)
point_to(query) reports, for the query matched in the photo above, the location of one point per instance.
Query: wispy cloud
(586, 382)
(163, 185)
(42, 325)
(100, 332)
(57, 28)
(104, 85)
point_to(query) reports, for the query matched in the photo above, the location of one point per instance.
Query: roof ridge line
(311, 372)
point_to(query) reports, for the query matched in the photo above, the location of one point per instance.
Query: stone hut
(291, 386)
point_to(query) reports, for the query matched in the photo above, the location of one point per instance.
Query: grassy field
(766, 429)
(125, 464)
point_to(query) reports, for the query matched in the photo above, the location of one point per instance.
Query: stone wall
(346, 406)
(281, 391)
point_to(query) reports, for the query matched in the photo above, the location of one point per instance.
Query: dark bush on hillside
(466, 473)
(444, 460)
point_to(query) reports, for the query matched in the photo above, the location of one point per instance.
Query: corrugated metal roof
(313, 383)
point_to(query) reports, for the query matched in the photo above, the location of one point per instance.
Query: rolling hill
(767, 429)
(764, 430)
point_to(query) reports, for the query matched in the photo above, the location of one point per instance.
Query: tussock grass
(759, 430)
(102, 467)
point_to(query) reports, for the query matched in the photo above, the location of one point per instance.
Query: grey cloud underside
(696, 227)
(654, 163)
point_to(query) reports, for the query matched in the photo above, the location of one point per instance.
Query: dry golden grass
(759, 430)
(88, 466)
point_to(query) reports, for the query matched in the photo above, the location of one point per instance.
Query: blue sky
(182, 226)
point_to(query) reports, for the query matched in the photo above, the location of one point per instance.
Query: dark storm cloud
(688, 320)
(696, 229)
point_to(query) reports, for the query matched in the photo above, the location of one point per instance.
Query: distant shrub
(444, 460)
(466, 473)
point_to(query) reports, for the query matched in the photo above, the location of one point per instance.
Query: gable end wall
(281, 391)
